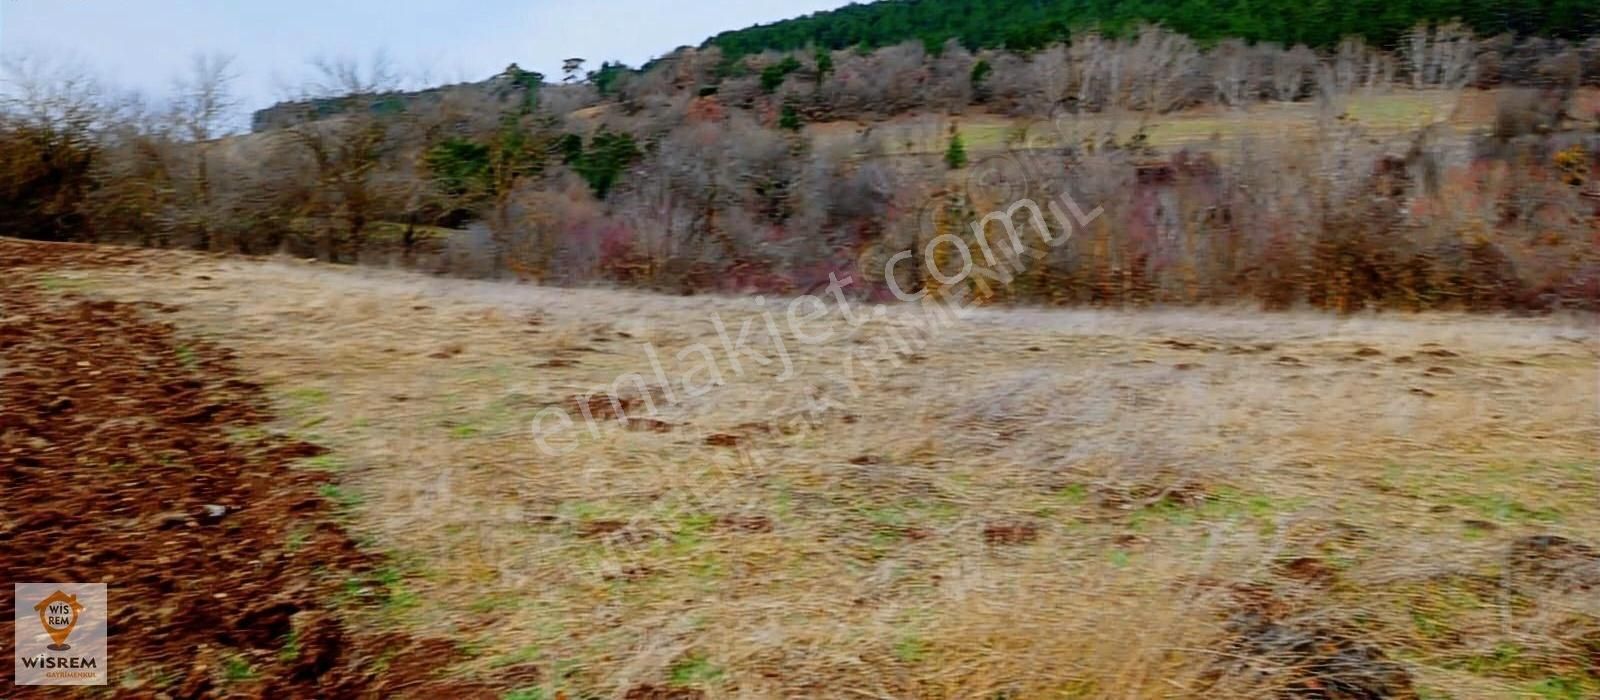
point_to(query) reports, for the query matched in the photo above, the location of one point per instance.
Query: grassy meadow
(1017, 503)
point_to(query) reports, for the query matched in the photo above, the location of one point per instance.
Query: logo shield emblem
(59, 614)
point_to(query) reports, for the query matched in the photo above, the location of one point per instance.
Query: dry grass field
(1389, 115)
(1017, 504)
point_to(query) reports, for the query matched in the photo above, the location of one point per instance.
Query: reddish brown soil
(121, 462)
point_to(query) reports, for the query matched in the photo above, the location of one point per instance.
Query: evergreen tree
(790, 119)
(980, 74)
(605, 79)
(459, 166)
(603, 161)
(772, 76)
(824, 64)
(1026, 25)
(571, 147)
(955, 157)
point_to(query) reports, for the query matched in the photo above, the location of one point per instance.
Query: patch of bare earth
(1020, 503)
(132, 456)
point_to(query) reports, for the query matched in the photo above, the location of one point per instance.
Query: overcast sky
(142, 44)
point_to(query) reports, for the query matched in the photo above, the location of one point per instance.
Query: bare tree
(1441, 57)
(1349, 66)
(42, 92)
(1230, 72)
(340, 203)
(1161, 66)
(345, 76)
(901, 74)
(1289, 71)
(1091, 73)
(51, 114)
(1416, 53)
(950, 79)
(202, 107)
(204, 101)
(1051, 79)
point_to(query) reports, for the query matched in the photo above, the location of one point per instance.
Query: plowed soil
(134, 457)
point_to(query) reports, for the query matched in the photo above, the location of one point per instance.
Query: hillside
(934, 349)
(772, 172)
(1022, 504)
(1031, 24)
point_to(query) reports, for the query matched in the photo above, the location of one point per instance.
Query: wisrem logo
(60, 634)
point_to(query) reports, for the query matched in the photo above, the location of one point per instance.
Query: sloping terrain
(1023, 503)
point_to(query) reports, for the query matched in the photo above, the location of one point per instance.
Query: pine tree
(978, 77)
(956, 155)
(824, 64)
(790, 119)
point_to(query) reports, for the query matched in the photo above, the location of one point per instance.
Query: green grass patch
(1119, 558)
(291, 647)
(397, 598)
(693, 670)
(309, 396)
(305, 407)
(690, 531)
(297, 537)
(495, 603)
(1073, 494)
(579, 510)
(1436, 611)
(1565, 688)
(59, 283)
(344, 498)
(1507, 660)
(186, 357)
(321, 463)
(910, 649)
(237, 669)
(1225, 504)
(385, 587)
(1504, 508)
(148, 678)
(525, 655)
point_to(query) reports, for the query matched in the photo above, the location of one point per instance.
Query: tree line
(685, 177)
(1026, 25)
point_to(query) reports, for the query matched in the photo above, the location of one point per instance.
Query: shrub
(955, 156)
(772, 76)
(790, 119)
(603, 162)
(460, 166)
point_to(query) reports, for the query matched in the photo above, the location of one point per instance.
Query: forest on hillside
(1025, 25)
(770, 172)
